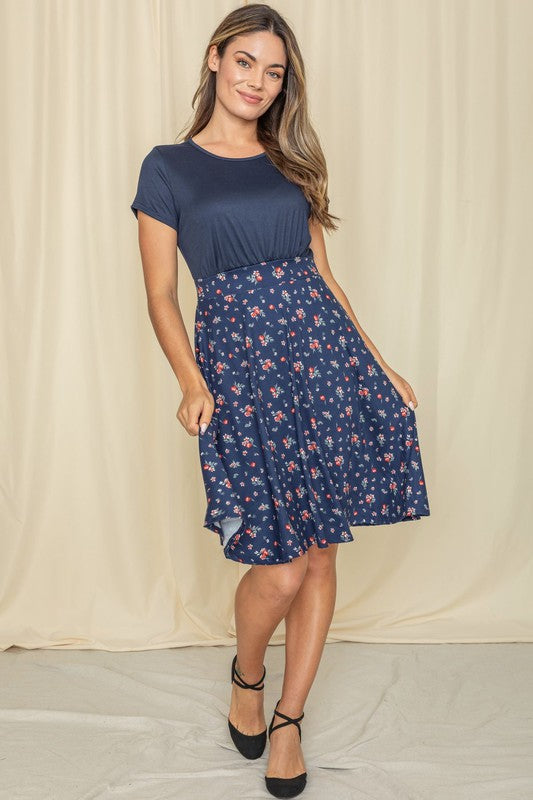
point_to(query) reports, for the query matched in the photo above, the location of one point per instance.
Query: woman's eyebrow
(255, 59)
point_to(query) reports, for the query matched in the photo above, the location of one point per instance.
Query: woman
(303, 428)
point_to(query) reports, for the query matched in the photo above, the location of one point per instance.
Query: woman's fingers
(196, 413)
(403, 388)
(205, 417)
(410, 399)
(188, 416)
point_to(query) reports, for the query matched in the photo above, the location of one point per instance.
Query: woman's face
(250, 74)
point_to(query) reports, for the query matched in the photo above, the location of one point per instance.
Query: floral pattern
(309, 437)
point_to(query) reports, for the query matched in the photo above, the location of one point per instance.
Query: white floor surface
(382, 722)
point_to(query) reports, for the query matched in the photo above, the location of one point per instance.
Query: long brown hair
(284, 130)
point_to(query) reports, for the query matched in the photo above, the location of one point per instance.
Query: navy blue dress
(309, 437)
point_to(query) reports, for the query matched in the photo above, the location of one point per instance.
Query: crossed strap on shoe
(289, 721)
(286, 787)
(250, 745)
(236, 678)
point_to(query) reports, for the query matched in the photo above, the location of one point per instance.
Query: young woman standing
(304, 430)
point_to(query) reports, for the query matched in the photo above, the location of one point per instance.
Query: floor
(382, 721)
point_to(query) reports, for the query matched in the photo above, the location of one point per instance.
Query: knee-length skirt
(309, 437)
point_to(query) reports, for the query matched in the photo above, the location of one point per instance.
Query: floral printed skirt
(309, 437)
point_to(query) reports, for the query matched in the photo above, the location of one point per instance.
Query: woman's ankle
(252, 674)
(290, 708)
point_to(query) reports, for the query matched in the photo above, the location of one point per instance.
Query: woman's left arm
(321, 260)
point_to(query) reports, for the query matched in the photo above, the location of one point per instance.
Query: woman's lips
(249, 98)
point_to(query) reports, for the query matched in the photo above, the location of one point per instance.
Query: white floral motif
(300, 423)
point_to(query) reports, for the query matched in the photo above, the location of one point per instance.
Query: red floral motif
(311, 438)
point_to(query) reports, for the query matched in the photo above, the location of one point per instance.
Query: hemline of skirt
(306, 542)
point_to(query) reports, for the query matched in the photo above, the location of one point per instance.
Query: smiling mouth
(250, 97)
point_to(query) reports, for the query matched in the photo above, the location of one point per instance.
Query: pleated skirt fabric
(309, 437)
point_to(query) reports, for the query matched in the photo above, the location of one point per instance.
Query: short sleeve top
(227, 212)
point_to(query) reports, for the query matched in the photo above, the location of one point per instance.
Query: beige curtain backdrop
(424, 112)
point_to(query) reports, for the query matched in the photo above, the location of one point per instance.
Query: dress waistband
(263, 274)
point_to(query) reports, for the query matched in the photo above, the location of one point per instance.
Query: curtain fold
(424, 113)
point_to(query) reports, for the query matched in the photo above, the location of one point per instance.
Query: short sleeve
(154, 194)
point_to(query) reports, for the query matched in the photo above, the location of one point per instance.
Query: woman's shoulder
(174, 159)
(170, 152)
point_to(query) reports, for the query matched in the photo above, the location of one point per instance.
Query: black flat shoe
(248, 745)
(286, 787)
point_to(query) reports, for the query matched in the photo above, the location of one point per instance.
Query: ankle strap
(236, 678)
(289, 721)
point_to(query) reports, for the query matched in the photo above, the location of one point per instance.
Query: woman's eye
(243, 61)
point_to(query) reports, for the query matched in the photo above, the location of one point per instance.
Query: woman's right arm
(158, 246)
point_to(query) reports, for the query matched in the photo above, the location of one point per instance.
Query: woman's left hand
(403, 388)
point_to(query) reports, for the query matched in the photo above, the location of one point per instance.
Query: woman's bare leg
(306, 627)
(262, 599)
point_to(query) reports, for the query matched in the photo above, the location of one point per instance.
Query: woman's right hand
(196, 409)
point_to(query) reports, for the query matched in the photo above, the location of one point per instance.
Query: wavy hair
(284, 130)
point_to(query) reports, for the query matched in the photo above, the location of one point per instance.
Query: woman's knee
(322, 560)
(280, 582)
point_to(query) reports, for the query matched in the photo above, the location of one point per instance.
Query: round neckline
(223, 158)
